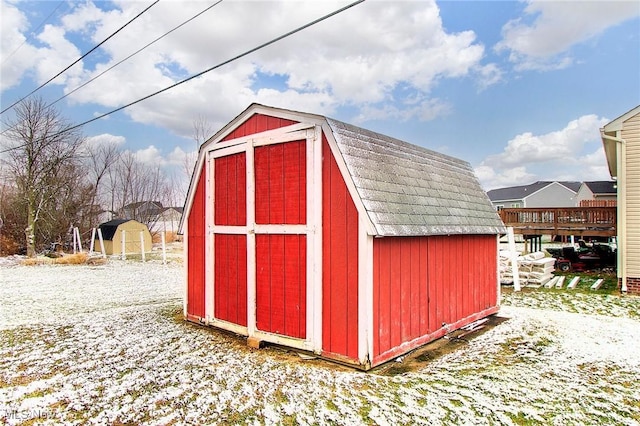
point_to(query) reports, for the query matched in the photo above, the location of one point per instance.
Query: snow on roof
(408, 190)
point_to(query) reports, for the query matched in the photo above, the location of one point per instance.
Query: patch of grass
(394, 370)
(37, 393)
(289, 420)
(365, 409)
(331, 405)
(456, 402)
(280, 397)
(521, 419)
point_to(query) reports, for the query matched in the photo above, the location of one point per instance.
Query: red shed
(308, 232)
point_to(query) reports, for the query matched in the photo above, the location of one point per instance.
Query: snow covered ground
(106, 345)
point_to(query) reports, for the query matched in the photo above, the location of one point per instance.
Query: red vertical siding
(230, 190)
(281, 198)
(422, 282)
(281, 184)
(257, 123)
(196, 249)
(281, 284)
(340, 262)
(230, 281)
(230, 251)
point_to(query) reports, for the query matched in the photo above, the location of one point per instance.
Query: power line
(128, 57)
(235, 58)
(134, 53)
(34, 31)
(79, 59)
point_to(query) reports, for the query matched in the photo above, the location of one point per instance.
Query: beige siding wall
(631, 134)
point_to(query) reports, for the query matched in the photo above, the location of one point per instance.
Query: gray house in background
(538, 194)
(602, 191)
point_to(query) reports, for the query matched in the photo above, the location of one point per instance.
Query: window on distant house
(515, 205)
(499, 207)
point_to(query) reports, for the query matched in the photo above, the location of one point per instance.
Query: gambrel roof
(404, 189)
(109, 228)
(410, 190)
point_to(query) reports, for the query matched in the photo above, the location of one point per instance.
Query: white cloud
(490, 178)
(595, 165)
(542, 38)
(562, 145)
(150, 155)
(359, 57)
(17, 55)
(488, 75)
(557, 155)
(106, 138)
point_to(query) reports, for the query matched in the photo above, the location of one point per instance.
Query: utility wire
(34, 31)
(123, 60)
(134, 53)
(235, 58)
(80, 58)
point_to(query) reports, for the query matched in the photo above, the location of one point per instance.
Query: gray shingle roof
(523, 191)
(408, 190)
(602, 187)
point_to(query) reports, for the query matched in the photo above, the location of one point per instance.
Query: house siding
(631, 135)
(554, 195)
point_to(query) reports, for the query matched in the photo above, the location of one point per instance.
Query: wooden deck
(578, 221)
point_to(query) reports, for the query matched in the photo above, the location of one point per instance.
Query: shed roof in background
(109, 229)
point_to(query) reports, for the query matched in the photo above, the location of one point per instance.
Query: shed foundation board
(254, 342)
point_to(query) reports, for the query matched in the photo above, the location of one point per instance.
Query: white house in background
(621, 140)
(537, 194)
(143, 211)
(168, 220)
(599, 193)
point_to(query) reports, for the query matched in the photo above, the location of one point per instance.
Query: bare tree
(41, 145)
(101, 159)
(141, 190)
(202, 130)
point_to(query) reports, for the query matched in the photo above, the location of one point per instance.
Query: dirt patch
(420, 357)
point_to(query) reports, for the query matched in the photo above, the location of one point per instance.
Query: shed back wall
(419, 283)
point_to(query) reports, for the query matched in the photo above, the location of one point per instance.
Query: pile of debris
(536, 270)
(533, 269)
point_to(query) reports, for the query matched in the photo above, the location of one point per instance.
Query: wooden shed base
(254, 342)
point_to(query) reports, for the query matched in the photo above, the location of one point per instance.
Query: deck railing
(582, 221)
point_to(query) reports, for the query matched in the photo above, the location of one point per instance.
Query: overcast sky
(518, 89)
